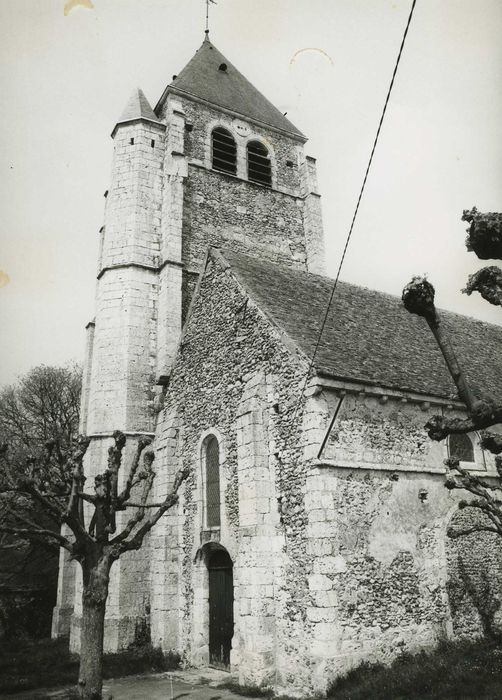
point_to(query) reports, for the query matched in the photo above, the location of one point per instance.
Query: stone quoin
(311, 533)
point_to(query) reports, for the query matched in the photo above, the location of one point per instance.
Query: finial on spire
(213, 2)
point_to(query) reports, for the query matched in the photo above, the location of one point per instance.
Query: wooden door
(221, 609)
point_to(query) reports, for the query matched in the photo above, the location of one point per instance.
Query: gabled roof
(369, 337)
(137, 108)
(202, 78)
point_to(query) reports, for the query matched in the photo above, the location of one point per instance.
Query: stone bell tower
(214, 164)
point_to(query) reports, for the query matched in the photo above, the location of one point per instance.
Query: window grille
(213, 482)
(460, 446)
(259, 168)
(224, 155)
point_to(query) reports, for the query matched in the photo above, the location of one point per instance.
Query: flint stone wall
(280, 223)
(234, 377)
(385, 575)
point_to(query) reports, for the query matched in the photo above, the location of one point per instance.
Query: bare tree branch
(114, 462)
(148, 458)
(126, 493)
(39, 535)
(418, 298)
(171, 499)
(439, 427)
(454, 533)
(75, 466)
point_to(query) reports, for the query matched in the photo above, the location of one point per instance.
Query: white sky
(66, 79)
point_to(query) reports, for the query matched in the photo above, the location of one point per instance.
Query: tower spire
(213, 2)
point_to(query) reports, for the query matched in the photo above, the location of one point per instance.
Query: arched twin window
(460, 447)
(259, 168)
(212, 478)
(224, 151)
(224, 157)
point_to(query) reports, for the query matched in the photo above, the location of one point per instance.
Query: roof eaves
(323, 373)
(157, 123)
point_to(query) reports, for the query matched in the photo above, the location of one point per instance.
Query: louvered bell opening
(213, 482)
(259, 169)
(224, 152)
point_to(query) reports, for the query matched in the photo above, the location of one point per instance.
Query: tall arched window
(224, 151)
(212, 465)
(259, 168)
(460, 447)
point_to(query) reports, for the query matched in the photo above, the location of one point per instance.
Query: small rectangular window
(131, 142)
(152, 143)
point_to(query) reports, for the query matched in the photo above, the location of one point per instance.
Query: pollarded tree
(94, 541)
(485, 239)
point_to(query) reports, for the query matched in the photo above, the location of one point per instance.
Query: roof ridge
(355, 285)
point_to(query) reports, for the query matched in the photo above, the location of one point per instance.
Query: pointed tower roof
(211, 77)
(137, 108)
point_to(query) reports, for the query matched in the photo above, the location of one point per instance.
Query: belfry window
(460, 447)
(224, 151)
(259, 168)
(212, 466)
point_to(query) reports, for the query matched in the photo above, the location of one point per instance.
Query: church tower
(214, 164)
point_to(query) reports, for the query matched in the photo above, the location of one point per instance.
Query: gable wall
(234, 375)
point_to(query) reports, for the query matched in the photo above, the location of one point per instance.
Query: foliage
(42, 404)
(41, 408)
(48, 663)
(452, 670)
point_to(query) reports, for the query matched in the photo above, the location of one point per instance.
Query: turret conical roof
(211, 77)
(138, 107)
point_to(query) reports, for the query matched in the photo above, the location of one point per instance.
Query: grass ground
(453, 671)
(47, 663)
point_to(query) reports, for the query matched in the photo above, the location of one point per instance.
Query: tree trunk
(95, 593)
(90, 680)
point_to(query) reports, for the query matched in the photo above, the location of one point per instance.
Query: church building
(311, 532)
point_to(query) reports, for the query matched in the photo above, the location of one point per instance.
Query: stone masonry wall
(385, 576)
(281, 224)
(221, 209)
(234, 376)
(474, 578)
(124, 347)
(122, 366)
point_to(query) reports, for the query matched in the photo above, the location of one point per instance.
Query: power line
(333, 289)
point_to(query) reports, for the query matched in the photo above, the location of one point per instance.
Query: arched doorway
(221, 608)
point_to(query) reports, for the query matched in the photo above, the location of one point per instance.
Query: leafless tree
(484, 238)
(43, 404)
(94, 541)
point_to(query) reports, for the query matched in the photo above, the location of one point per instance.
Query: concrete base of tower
(119, 633)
